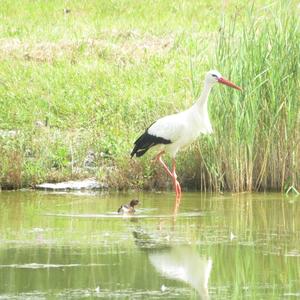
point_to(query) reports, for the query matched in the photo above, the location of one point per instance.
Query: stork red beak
(228, 83)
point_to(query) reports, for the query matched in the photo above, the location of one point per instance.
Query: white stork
(173, 132)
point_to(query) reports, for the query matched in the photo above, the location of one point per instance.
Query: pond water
(211, 246)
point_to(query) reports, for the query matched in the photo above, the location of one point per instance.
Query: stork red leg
(176, 183)
(172, 174)
(158, 157)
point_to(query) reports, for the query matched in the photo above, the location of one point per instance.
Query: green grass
(103, 72)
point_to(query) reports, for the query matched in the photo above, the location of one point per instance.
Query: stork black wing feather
(145, 142)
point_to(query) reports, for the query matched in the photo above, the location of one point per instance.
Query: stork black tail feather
(145, 142)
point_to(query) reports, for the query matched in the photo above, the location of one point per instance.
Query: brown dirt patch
(116, 45)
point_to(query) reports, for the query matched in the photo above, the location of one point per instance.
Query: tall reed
(256, 141)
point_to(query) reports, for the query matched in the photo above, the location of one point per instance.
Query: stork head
(214, 76)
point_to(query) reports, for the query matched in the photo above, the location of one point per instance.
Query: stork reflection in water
(179, 262)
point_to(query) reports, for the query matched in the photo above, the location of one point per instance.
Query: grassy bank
(80, 81)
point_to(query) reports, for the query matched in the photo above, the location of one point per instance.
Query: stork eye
(214, 75)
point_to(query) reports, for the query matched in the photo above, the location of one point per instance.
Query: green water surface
(211, 246)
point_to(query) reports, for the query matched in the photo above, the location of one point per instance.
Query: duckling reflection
(177, 262)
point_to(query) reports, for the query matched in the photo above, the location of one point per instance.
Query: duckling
(128, 208)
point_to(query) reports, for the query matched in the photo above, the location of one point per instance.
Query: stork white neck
(201, 103)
